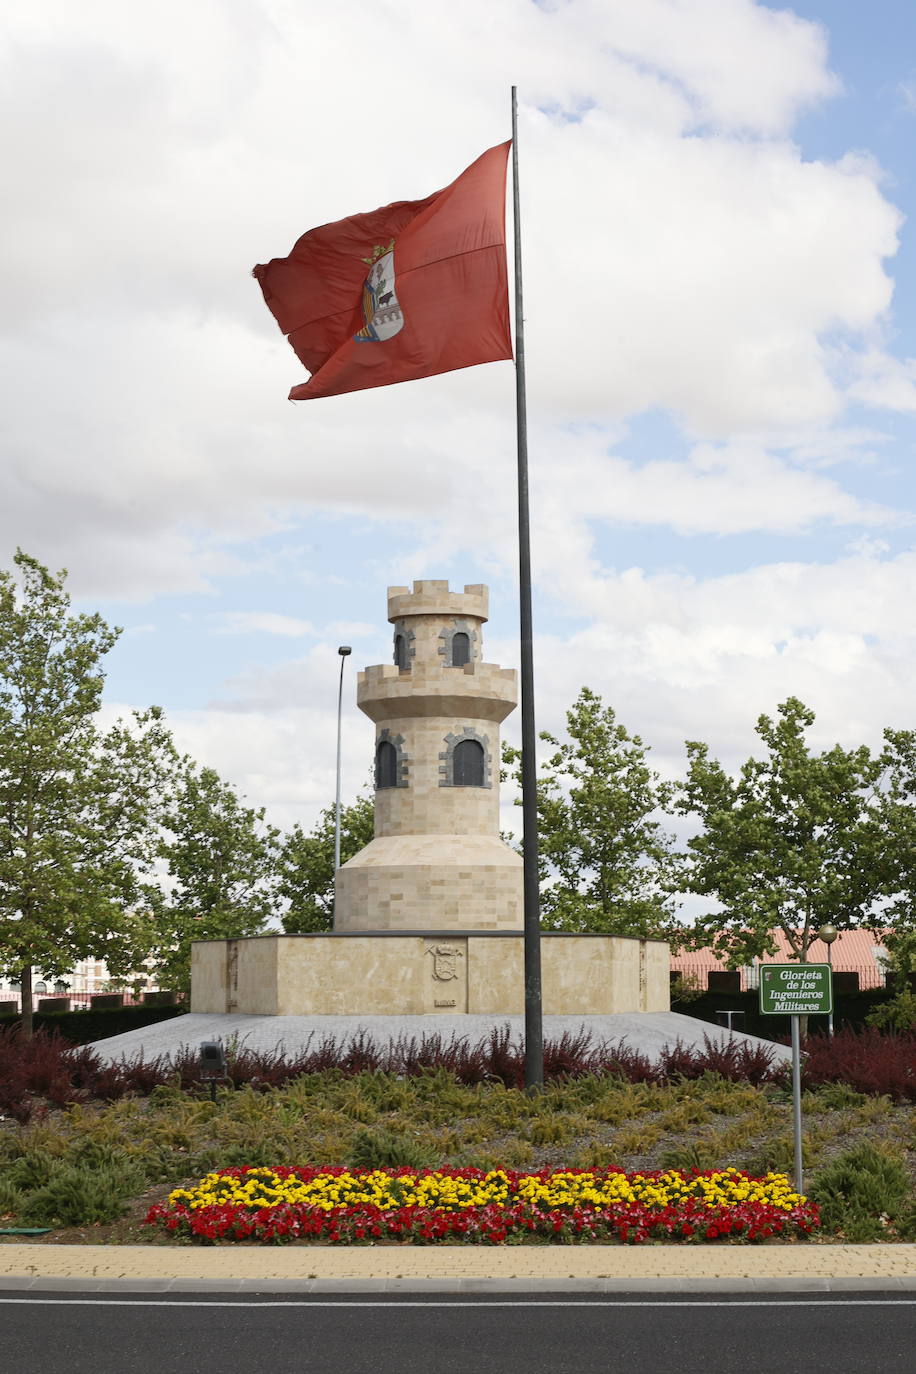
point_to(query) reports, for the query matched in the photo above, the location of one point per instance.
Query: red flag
(410, 290)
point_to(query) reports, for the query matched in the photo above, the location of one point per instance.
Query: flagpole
(534, 1029)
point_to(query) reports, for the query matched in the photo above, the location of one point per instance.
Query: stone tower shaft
(437, 860)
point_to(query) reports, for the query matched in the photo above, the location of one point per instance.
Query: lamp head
(212, 1059)
(828, 933)
(344, 650)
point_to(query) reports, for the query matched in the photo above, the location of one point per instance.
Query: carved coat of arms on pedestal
(445, 961)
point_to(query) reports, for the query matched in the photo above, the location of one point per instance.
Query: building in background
(859, 963)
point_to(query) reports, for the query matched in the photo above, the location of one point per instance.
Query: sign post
(796, 990)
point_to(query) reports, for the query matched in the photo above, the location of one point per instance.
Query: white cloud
(682, 256)
(683, 656)
(727, 489)
(886, 382)
(261, 622)
(680, 253)
(744, 65)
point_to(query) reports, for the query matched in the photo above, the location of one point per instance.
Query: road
(403, 1334)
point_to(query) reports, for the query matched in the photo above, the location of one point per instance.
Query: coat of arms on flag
(449, 307)
(381, 308)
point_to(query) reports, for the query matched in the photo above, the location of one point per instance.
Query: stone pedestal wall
(425, 973)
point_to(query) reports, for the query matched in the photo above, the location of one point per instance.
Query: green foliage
(898, 818)
(90, 1161)
(307, 864)
(607, 864)
(78, 805)
(31, 1170)
(638, 1138)
(83, 1027)
(550, 1128)
(898, 1014)
(78, 1195)
(776, 1155)
(378, 1148)
(861, 1191)
(221, 860)
(796, 840)
(11, 1200)
(686, 988)
(835, 1097)
(695, 1154)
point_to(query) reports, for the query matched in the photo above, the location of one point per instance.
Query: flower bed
(349, 1206)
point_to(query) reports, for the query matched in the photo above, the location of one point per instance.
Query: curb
(442, 1287)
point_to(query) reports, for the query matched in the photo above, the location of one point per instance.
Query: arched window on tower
(400, 653)
(468, 764)
(461, 649)
(386, 764)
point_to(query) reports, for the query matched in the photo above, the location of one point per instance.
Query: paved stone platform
(800, 1267)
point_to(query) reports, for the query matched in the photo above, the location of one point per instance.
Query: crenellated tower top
(433, 597)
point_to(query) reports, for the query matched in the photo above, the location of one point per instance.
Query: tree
(221, 862)
(78, 806)
(307, 864)
(607, 864)
(794, 841)
(898, 822)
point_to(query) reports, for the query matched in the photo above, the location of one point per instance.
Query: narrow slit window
(400, 652)
(461, 649)
(468, 764)
(386, 765)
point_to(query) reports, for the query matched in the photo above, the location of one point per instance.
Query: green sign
(795, 990)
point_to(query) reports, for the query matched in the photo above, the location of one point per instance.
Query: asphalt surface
(550, 1334)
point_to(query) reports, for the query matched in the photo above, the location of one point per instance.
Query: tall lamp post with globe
(828, 933)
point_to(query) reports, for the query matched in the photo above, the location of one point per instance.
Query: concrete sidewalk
(401, 1268)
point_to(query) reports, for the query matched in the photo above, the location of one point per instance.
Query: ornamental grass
(470, 1206)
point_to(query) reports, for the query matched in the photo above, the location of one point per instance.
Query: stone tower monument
(437, 861)
(429, 916)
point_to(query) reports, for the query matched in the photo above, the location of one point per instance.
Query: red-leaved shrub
(867, 1060)
(48, 1071)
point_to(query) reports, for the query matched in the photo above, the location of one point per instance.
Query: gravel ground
(648, 1032)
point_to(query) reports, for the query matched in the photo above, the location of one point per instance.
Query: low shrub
(11, 1200)
(862, 1192)
(77, 1195)
(736, 1060)
(375, 1148)
(864, 1060)
(47, 1071)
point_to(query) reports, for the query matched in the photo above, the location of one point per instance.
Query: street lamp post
(828, 933)
(344, 651)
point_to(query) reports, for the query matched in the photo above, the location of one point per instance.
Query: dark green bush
(861, 1191)
(11, 1200)
(79, 1196)
(82, 1027)
(31, 1170)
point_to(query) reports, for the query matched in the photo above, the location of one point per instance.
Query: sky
(719, 268)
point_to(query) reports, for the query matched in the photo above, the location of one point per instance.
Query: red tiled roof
(853, 952)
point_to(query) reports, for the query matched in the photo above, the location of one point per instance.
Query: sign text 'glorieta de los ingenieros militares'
(796, 990)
